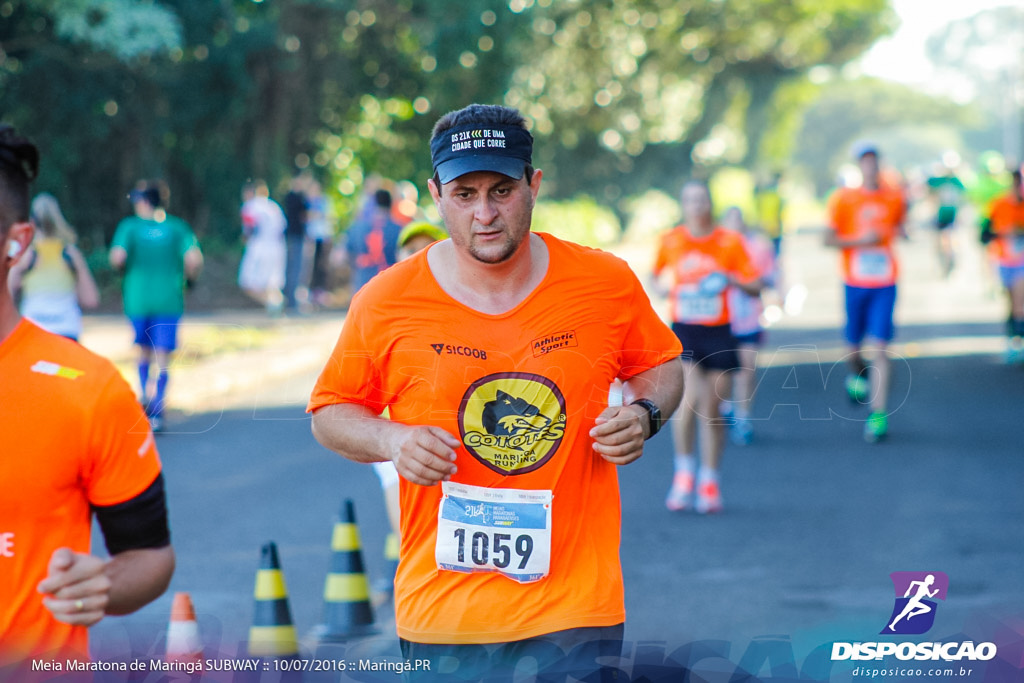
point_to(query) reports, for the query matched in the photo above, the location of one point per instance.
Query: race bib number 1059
(507, 531)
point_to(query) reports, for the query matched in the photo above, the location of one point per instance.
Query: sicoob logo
(914, 611)
(512, 422)
(454, 349)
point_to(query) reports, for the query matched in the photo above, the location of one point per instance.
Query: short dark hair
(382, 198)
(494, 114)
(19, 166)
(153, 192)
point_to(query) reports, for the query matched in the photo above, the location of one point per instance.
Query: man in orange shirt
(705, 260)
(76, 443)
(865, 221)
(494, 351)
(1005, 224)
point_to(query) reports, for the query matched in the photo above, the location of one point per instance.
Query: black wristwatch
(654, 419)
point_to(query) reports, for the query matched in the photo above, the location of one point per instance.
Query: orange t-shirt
(854, 212)
(74, 436)
(522, 390)
(1007, 216)
(696, 262)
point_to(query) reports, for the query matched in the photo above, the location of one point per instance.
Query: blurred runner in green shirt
(948, 191)
(158, 253)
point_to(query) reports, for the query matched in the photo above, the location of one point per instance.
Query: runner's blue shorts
(869, 313)
(712, 347)
(156, 331)
(1010, 274)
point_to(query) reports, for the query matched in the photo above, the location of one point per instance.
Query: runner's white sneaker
(679, 495)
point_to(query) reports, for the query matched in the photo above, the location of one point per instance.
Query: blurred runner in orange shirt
(1006, 225)
(864, 223)
(704, 261)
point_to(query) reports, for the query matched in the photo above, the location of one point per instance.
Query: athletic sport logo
(512, 422)
(916, 592)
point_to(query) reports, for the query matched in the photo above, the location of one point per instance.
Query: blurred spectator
(296, 211)
(372, 241)
(320, 229)
(261, 274)
(418, 235)
(53, 278)
(769, 209)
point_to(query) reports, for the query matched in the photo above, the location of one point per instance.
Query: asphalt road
(815, 518)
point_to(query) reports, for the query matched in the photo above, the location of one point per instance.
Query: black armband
(137, 523)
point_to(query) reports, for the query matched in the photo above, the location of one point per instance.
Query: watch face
(653, 415)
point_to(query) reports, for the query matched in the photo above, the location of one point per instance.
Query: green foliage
(623, 96)
(732, 186)
(849, 110)
(650, 214)
(126, 28)
(581, 220)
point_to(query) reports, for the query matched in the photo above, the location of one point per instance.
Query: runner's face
(696, 203)
(869, 169)
(487, 214)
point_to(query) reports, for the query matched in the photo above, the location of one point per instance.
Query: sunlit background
(626, 98)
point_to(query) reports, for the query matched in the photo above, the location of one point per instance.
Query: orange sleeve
(741, 263)
(350, 375)
(835, 211)
(997, 214)
(648, 342)
(122, 456)
(661, 259)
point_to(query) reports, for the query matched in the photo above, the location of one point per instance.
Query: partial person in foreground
(77, 446)
(496, 370)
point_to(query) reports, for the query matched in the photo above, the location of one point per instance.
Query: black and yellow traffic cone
(272, 634)
(347, 610)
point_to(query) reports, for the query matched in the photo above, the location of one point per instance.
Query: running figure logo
(914, 612)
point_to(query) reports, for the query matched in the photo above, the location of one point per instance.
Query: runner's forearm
(137, 577)
(355, 432)
(662, 384)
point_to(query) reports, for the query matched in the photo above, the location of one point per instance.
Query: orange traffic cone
(183, 642)
(347, 610)
(272, 633)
